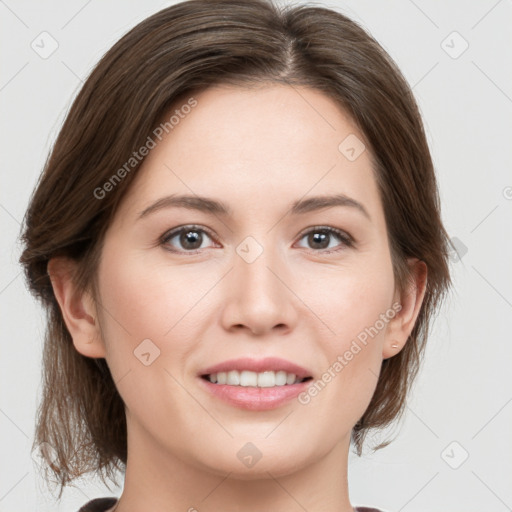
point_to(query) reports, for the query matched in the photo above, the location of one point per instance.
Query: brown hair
(177, 51)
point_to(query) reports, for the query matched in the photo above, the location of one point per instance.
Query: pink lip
(255, 398)
(258, 365)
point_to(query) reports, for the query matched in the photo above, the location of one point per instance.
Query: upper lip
(258, 365)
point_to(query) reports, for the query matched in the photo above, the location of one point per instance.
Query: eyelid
(184, 227)
(340, 232)
(346, 239)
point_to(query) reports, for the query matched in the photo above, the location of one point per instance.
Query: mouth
(247, 378)
(255, 385)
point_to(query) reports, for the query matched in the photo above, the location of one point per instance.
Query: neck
(159, 481)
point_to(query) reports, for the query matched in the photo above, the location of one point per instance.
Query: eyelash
(345, 238)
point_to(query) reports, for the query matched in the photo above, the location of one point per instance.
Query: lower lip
(254, 398)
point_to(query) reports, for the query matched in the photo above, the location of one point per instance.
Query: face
(185, 287)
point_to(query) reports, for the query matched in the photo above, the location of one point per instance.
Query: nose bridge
(258, 297)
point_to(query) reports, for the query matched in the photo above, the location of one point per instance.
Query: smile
(247, 378)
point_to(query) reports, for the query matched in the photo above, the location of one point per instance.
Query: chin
(246, 461)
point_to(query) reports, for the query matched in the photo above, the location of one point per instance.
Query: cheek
(352, 358)
(132, 311)
(356, 305)
(150, 300)
(144, 300)
(351, 300)
(141, 315)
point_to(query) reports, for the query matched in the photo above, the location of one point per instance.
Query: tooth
(266, 379)
(248, 378)
(233, 378)
(280, 378)
(290, 378)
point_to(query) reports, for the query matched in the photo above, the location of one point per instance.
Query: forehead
(261, 123)
(268, 142)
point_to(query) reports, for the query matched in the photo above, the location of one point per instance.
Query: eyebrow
(209, 205)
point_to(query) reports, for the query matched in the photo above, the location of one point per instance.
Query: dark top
(99, 505)
(103, 504)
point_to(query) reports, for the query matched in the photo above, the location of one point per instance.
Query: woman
(238, 240)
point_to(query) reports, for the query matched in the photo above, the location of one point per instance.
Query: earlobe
(78, 309)
(411, 299)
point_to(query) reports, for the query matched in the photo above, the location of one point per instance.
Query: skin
(257, 150)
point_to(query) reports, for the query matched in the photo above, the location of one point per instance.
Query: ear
(411, 299)
(78, 310)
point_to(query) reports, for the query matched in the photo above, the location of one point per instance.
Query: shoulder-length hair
(185, 48)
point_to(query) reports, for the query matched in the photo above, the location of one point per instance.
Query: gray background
(461, 404)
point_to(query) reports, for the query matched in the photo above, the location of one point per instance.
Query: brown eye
(187, 238)
(322, 238)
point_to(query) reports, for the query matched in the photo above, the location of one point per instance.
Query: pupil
(191, 238)
(320, 237)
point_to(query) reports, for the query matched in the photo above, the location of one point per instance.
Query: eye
(320, 238)
(190, 238)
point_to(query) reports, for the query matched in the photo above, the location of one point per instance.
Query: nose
(259, 297)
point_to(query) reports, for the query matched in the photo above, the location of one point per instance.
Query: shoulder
(99, 505)
(104, 504)
(367, 509)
